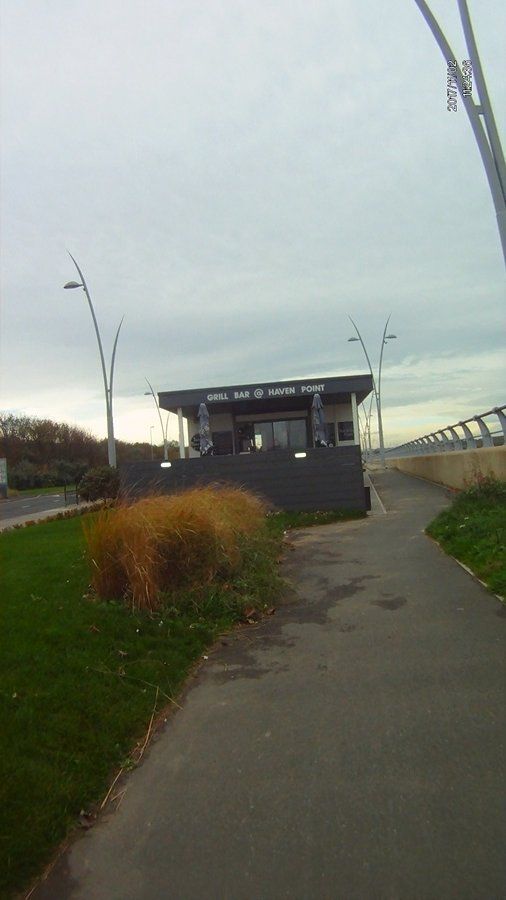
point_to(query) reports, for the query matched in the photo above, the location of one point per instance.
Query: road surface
(19, 509)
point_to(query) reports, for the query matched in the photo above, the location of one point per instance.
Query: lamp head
(72, 284)
(390, 337)
(352, 339)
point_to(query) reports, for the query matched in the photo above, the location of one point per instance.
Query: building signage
(270, 392)
(267, 392)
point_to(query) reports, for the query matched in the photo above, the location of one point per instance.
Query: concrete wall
(454, 468)
(326, 478)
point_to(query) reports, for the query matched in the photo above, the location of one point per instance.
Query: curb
(378, 498)
(467, 569)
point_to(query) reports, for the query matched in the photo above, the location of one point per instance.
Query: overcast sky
(237, 178)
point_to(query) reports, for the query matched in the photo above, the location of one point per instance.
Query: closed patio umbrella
(318, 416)
(206, 444)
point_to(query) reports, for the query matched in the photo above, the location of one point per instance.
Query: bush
(485, 487)
(101, 483)
(65, 472)
(163, 543)
(25, 475)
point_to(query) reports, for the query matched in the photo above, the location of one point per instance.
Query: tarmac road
(351, 746)
(20, 509)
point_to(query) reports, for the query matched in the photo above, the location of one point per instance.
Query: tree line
(43, 453)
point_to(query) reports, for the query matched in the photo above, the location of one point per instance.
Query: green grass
(34, 492)
(283, 521)
(79, 679)
(473, 530)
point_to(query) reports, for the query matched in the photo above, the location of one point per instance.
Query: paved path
(17, 510)
(349, 747)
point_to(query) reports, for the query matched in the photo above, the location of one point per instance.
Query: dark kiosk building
(263, 439)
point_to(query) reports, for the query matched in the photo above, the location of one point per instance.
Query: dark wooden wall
(327, 478)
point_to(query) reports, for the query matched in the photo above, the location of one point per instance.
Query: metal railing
(475, 433)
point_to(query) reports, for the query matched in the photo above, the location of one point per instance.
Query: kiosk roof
(271, 395)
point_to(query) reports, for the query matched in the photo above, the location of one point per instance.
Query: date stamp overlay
(452, 90)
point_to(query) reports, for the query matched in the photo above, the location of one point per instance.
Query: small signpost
(3, 478)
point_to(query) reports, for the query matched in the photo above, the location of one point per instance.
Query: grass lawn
(34, 492)
(473, 530)
(79, 679)
(78, 682)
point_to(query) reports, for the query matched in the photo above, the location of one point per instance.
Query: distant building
(263, 439)
(272, 415)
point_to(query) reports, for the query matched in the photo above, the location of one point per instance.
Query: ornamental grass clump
(162, 543)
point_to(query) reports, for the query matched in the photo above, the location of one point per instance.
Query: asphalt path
(351, 746)
(21, 506)
(19, 509)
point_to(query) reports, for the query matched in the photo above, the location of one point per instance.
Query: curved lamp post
(164, 427)
(485, 132)
(376, 384)
(111, 445)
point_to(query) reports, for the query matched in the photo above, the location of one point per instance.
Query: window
(280, 430)
(285, 434)
(298, 434)
(345, 431)
(264, 437)
(331, 433)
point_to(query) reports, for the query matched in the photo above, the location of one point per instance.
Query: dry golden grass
(137, 551)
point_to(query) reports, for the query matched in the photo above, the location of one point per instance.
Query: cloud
(236, 179)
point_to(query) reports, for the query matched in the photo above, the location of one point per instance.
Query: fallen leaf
(94, 629)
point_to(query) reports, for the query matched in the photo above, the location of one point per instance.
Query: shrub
(24, 475)
(65, 472)
(101, 483)
(486, 487)
(163, 543)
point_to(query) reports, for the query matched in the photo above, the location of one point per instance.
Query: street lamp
(375, 384)
(164, 427)
(71, 285)
(487, 137)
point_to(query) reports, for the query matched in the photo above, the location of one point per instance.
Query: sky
(237, 179)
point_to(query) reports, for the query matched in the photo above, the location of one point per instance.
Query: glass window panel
(280, 435)
(264, 438)
(345, 431)
(298, 434)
